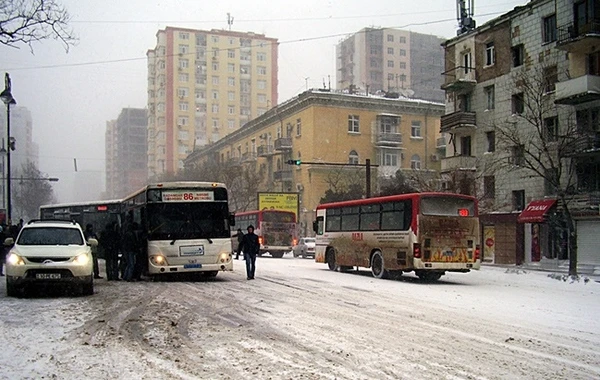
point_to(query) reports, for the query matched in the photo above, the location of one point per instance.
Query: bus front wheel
(377, 265)
(331, 259)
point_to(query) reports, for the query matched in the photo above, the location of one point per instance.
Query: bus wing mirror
(232, 219)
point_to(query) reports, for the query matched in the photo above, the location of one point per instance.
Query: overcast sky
(72, 95)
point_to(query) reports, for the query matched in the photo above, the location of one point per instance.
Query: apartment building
(324, 129)
(126, 153)
(391, 60)
(522, 124)
(202, 86)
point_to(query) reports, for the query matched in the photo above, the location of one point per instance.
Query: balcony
(285, 175)
(233, 161)
(585, 88)
(265, 150)
(283, 143)
(578, 39)
(248, 156)
(459, 79)
(458, 120)
(584, 144)
(440, 143)
(388, 139)
(459, 163)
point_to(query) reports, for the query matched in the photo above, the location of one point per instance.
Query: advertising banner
(279, 201)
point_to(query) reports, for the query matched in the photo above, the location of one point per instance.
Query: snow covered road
(298, 320)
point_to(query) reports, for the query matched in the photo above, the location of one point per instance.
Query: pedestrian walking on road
(90, 234)
(129, 247)
(110, 241)
(250, 246)
(240, 237)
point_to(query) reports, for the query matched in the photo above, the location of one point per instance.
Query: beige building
(323, 128)
(202, 86)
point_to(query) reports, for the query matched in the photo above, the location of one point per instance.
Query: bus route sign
(187, 196)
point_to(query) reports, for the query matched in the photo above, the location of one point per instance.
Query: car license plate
(47, 276)
(192, 250)
(190, 266)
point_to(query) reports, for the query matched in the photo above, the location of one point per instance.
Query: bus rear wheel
(428, 276)
(377, 265)
(331, 259)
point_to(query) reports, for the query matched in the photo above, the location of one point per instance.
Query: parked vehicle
(305, 248)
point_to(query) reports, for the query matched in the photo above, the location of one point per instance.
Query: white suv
(50, 252)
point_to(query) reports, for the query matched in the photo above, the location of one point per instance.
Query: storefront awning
(536, 211)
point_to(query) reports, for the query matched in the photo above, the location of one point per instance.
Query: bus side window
(318, 226)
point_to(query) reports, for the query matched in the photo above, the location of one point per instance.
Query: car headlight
(224, 257)
(158, 260)
(14, 259)
(82, 259)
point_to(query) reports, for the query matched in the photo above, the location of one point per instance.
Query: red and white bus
(276, 229)
(428, 233)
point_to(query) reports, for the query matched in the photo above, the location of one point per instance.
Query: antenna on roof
(464, 14)
(229, 20)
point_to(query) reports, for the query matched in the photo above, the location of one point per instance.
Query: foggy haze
(72, 95)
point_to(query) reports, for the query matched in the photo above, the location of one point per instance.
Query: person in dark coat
(240, 237)
(110, 240)
(250, 246)
(129, 246)
(90, 234)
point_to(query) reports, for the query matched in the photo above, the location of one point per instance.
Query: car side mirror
(92, 242)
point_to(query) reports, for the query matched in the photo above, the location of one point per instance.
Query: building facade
(202, 86)
(522, 127)
(391, 60)
(324, 129)
(126, 153)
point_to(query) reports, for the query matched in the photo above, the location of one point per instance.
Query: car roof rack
(51, 221)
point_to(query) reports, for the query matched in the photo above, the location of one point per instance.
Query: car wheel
(88, 288)
(12, 290)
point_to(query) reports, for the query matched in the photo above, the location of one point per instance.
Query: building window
(183, 63)
(518, 198)
(353, 158)
(390, 63)
(230, 53)
(415, 162)
(390, 50)
(262, 98)
(231, 81)
(550, 78)
(183, 49)
(464, 102)
(184, 36)
(215, 66)
(402, 40)
(184, 77)
(551, 181)
(518, 103)
(415, 129)
(261, 70)
(466, 60)
(230, 124)
(214, 39)
(261, 84)
(403, 65)
(215, 80)
(491, 141)
(489, 187)
(231, 67)
(390, 159)
(490, 97)
(549, 32)
(517, 53)
(182, 120)
(231, 110)
(517, 157)
(182, 92)
(215, 108)
(298, 127)
(588, 120)
(231, 96)
(183, 106)
(465, 146)
(390, 38)
(353, 123)
(402, 53)
(490, 55)
(261, 57)
(215, 53)
(215, 95)
(551, 129)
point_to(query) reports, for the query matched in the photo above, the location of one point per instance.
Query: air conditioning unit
(435, 157)
(299, 187)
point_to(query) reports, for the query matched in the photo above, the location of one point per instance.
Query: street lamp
(8, 99)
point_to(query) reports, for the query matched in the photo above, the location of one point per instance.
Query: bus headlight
(82, 259)
(14, 259)
(158, 260)
(224, 257)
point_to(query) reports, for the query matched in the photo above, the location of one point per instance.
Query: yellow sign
(279, 201)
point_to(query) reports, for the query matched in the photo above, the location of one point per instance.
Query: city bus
(428, 233)
(276, 229)
(185, 227)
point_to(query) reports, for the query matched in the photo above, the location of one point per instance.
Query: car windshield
(50, 236)
(309, 240)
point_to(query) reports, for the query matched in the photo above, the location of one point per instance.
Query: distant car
(50, 252)
(305, 248)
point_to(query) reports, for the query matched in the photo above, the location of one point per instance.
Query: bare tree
(29, 21)
(533, 140)
(344, 184)
(31, 191)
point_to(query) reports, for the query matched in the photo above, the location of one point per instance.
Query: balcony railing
(585, 88)
(458, 119)
(265, 150)
(283, 143)
(283, 175)
(459, 163)
(249, 156)
(584, 144)
(459, 78)
(389, 138)
(574, 38)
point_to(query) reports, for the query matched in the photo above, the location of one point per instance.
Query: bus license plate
(190, 266)
(47, 276)
(192, 250)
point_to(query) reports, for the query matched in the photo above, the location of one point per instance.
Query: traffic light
(294, 162)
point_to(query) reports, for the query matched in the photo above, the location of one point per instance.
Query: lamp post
(8, 99)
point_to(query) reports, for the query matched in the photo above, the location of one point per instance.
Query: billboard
(279, 201)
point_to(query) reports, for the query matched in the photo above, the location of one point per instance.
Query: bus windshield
(447, 206)
(188, 220)
(282, 217)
